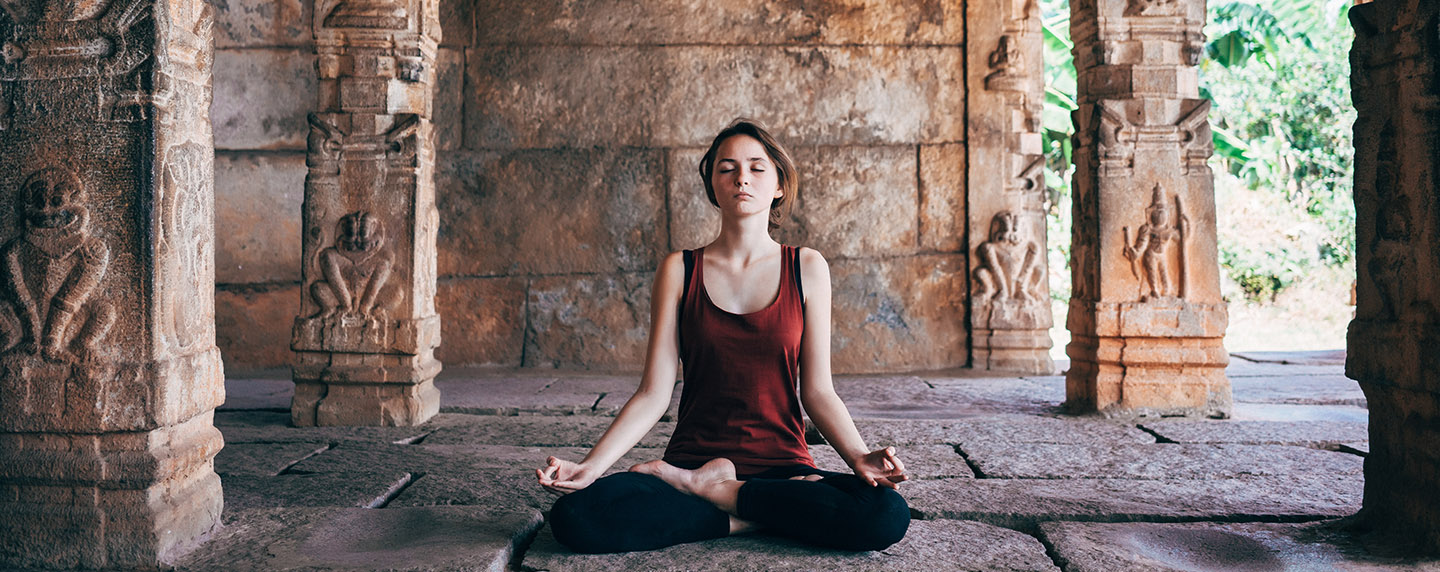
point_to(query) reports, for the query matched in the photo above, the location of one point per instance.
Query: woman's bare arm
(651, 399)
(817, 388)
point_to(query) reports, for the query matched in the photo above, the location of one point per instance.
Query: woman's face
(744, 178)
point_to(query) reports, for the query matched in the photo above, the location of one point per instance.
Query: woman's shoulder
(810, 258)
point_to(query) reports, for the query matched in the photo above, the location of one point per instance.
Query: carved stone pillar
(1395, 71)
(367, 331)
(1010, 306)
(1146, 318)
(109, 374)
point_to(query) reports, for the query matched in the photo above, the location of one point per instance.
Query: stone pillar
(1010, 302)
(109, 374)
(1393, 340)
(1146, 317)
(366, 335)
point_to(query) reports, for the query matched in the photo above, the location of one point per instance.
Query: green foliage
(1278, 73)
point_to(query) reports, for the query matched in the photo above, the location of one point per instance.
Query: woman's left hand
(881, 468)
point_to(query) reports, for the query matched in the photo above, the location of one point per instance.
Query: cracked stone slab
(266, 459)
(1298, 412)
(1240, 367)
(934, 546)
(274, 427)
(499, 489)
(1361, 448)
(1327, 357)
(352, 489)
(1330, 389)
(1006, 428)
(522, 392)
(538, 431)
(448, 459)
(1318, 434)
(941, 397)
(398, 539)
(921, 461)
(1157, 461)
(1021, 503)
(1164, 547)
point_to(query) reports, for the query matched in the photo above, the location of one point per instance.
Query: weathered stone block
(1022, 503)
(408, 538)
(245, 493)
(261, 98)
(899, 313)
(252, 325)
(449, 106)
(650, 22)
(457, 22)
(854, 201)
(1163, 547)
(596, 322)
(264, 459)
(257, 209)
(538, 431)
(1001, 428)
(942, 197)
(1318, 434)
(1155, 461)
(484, 320)
(551, 211)
(262, 23)
(544, 96)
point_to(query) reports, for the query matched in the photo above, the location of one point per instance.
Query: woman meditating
(737, 461)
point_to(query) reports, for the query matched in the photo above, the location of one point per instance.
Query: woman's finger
(894, 460)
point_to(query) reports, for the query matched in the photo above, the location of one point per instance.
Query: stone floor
(1003, 480)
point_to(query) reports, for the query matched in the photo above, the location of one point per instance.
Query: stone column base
(1022, 351)
(364, 389)
(133, 501)
(1177, 367)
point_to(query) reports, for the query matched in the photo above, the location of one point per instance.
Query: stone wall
(567, 138)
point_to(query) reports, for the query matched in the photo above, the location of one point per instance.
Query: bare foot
(698, 482)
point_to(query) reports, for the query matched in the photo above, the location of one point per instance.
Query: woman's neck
(745, 238)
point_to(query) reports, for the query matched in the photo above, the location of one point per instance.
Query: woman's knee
(880, 521)
(573, 525)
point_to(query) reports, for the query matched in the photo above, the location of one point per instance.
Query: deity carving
(1390, 263)
(51, 273)
(1151, 250)
(376, 14)
(357, 269)
(1006, 63)
(1009, 264)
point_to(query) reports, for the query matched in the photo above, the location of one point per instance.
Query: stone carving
(1391, 252)
(1152, 7)
(1006, 64)
(372, 14)
(1010, 267)
(1152, 248)
(356, 287)
(1116, 135)
(1032, 177)
(51, 272)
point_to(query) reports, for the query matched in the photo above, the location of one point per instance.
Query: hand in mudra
(562, 477)
(881, 468)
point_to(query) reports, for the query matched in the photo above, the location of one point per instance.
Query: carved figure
(1009, 264)
(52, 270)
(1005, 63)
(1152, 246)
(1151, 7)
(356, 271)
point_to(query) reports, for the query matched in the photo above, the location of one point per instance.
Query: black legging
(632, 511)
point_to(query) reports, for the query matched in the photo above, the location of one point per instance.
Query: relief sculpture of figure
(51, 271)
(1152, 246)
(357, 272)
(1009, 264)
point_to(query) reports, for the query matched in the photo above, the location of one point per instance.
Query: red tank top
(739, 399)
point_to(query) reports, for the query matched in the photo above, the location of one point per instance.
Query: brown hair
(784, 165)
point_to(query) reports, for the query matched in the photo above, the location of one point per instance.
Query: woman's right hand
(563, 477)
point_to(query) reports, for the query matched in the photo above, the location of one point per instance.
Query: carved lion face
(359, 231)
(52, 197)
(1005, 227)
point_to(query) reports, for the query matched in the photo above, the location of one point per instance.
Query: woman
(737, 460)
